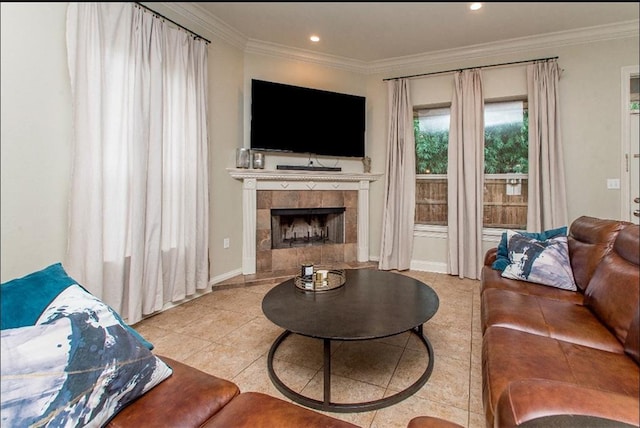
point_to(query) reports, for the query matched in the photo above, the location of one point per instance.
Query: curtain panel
(465, 174)
(547, 205)
(138, 212)
(398, 216)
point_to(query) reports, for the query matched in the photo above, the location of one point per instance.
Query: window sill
(441, 232)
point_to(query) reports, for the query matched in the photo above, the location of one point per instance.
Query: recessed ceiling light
(475, 6)
(314, 38)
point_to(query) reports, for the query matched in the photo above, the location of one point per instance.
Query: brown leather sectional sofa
(552, 357)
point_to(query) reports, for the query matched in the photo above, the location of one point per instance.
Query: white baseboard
(223, 277)
(421, 265)
(169, 305)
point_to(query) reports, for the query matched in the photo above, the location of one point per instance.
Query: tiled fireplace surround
(264, 189)
(273, 260)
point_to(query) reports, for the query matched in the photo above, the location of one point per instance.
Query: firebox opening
(301, 227)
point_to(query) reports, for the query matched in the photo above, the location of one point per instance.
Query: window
(431, 127)
(506, 164)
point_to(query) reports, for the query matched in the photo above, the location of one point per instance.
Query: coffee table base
(326, 404)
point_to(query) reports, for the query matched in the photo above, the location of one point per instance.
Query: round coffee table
(371, 304)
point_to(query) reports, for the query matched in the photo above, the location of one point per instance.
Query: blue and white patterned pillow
(78, 366)
(22, 300)
(502, 255)
(543, 262)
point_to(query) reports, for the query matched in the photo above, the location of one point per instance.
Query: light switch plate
(613, 183)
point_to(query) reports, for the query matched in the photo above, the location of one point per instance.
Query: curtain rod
(470, 68)
(172, 21)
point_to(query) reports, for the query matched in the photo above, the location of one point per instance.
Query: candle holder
(243, 158)
(321, 280)
(257, 160)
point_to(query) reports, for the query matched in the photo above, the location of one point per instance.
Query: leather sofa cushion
(614, 292)
(546, 317)
(431, 422)
(527, 401)
(590, 239)
(256, 410)
(510, 355)
(492, 279)
(188, 398)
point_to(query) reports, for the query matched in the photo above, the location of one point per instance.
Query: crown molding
(286, 52)
(216, 28)
(510, 46)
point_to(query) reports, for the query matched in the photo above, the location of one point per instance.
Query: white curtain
(547, 205)
(138, 212)
(466, 175)
(400, 180)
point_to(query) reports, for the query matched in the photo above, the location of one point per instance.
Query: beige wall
(591, 123)
(226, 101)
(36, 132)
(35, 136)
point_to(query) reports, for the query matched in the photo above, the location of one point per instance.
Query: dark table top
(371, 304)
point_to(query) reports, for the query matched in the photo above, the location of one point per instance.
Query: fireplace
(301, 227)
(264, 190)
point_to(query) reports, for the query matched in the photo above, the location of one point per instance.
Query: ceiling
(375, 31)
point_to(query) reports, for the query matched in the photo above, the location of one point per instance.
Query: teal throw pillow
(22, 300)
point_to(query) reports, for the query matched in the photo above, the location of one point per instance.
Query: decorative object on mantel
(366, 164)
(243, 158)
(257, 160)
(320, 280)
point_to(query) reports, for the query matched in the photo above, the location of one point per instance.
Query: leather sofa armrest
(537, 402)
(490, 256)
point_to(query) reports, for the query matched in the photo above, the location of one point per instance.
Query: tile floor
(225, 333)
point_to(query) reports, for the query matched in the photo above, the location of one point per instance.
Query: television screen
(293, 119)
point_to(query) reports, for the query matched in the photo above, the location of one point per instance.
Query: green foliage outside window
(431, 150)
(506, 149)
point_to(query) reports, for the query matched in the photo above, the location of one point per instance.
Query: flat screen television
(293, 119)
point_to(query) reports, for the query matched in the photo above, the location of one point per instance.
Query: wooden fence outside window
(505, 200)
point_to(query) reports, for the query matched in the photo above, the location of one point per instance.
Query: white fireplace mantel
(254, 180)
